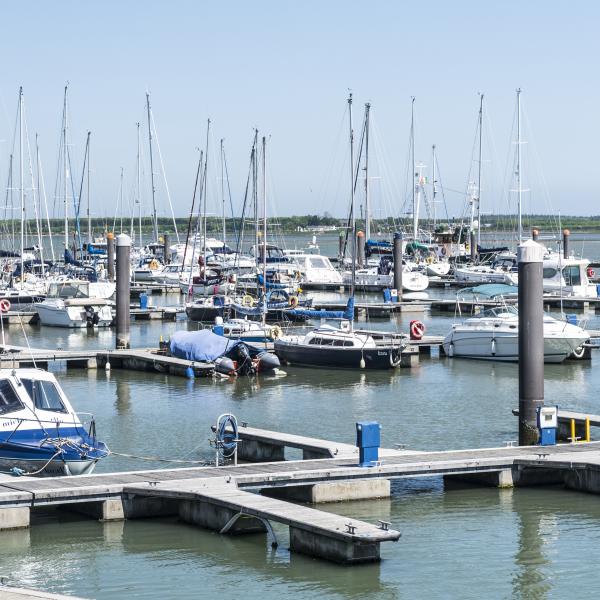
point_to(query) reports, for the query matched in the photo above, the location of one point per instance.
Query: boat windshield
(318, 263)
(9, 401)
(44, 394)
(498, 311)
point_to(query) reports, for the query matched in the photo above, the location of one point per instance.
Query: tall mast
(139, 184)
(367, 198)
(154, 218)
(223, 190)
(479, 171)
(519, 185)
(264, 194)
(414, 172)
(353, 220)
(21, 190)
(65, 169)
(89, 218)
(255, 196)
(205, 191)
(433, 187)
(122, 208)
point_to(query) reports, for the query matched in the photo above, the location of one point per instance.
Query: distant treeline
(310, 223)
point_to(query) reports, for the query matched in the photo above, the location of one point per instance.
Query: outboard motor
(385, 266)
(244, 360)
(91, 316)
(225, 365)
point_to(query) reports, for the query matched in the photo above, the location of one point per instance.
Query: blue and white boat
(40, 433)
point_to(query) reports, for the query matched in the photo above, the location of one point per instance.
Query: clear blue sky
(285, 67)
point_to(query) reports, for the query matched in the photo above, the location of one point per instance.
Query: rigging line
(162, 166)
(43, 189)
(229, 191)
(189, 226)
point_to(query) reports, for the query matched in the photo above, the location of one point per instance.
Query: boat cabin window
(44, 394)
(330, 342)
(9, 401)
(318, 263)
(549, 272)
(499, 310)
(572, 275)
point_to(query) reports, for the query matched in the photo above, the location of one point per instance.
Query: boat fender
(451, 349)
(275, 332)
(417, 329)
(362, 363)
(493, 346)
(293, 301)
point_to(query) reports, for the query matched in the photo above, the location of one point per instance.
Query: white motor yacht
(69, 304)
(494, 335)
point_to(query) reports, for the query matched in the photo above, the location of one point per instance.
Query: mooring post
(531, 340)
(123, 290)
(166, 244)
(360, 249)
(566, 235)
(398, 263)
(110, 255)
(473, 246)
(535, 234)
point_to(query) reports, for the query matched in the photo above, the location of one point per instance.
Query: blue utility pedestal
(368, 440)
(547, 421)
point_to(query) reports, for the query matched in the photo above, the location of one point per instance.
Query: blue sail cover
(347, 314)
(69, 260)
(203, 345)
(91, 249)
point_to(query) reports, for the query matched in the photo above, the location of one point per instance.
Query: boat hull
(505, 347)
(347, 358)
(72, 317)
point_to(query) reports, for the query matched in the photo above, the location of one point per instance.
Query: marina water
(468, 543)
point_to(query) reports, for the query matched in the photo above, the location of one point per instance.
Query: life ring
(153, 265)
(591, 273)
(417, 329)
(275, 332)
(293, 301)
(429, 260)
(4, 305)
(247, 300)
(444, 251)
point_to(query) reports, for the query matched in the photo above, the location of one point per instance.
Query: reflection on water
(527, 543)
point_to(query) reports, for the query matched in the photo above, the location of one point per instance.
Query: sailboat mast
(367, 197)
(223, 191)
(479, 165)
(264, 195)
(154, 218)
(89, 218)
(352, 212)
(21, 190)
(414, 172)
(433, 188)
(139, 185)
(205, 191)
(519, 185)
(65, 169)
(255, 196)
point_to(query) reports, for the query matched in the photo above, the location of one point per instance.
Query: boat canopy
(203, 345)
(492, 290)
(347, 314)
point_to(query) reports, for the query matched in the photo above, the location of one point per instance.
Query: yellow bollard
(573, 439)
(588, 437)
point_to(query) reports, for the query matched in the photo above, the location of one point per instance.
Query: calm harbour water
(470, 543)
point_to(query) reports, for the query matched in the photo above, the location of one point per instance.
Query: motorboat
(342, 347)
(316, 271)
(378, 278)
(501, 270)
(494, 335)
(40, 433)
(246, 330)
(230, 357)
(566, 276)
(148, 268)
(207, 308)
(69, 304)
